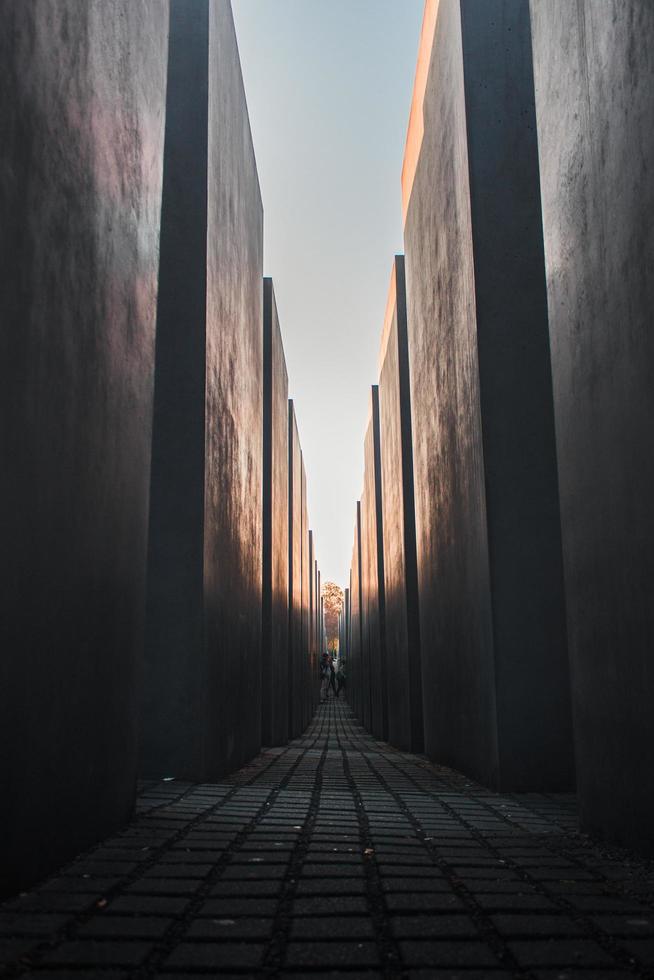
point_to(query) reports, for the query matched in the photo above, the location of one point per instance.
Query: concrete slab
(295, 467)
(359, 679)
(274, 677)
(305, 604)
(402, 634)
(202, 675)
(311, 695)
(492, 612)
(372, 575)
(594, 80)
(82, 116)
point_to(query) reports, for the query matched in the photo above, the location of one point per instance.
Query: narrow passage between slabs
(338, 854)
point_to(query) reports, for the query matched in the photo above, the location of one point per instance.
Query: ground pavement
(339, 856)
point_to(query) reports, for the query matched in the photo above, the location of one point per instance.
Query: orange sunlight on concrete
(388, 317)
(416, 126)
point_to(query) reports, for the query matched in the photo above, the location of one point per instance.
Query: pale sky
(329, 85)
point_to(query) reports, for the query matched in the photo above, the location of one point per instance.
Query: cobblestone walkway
(339, 856)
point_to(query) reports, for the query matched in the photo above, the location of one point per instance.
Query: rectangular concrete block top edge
(416, 129)
(389, 314)
(228, 5)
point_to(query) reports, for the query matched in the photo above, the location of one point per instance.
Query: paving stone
(328, 954)
(107, 926)
(331, 886)
(245, 872)
(332, 927)
(226, 928)
(642, 949)
(339, 857)
(14, 949)
(328, 887)
(216, 956)
(563, 876)
(636, 924)
(191, 857)
(427, 872)
(332, 975)
(63, 974)
(464, 974)
(239, 889)
(51, 902)
(328, 905)
(471, 875)
(560, 952)
(101, 869)
(148, 904)
(488, 887)
(332, 870)
(119, 853)
(73, 886)
(164, 886)
(261, 858)
(568, 889)
(433, 927)
(227, 907)
(91, 953)
(258, 843)
(423, 902)
(430, 884)
(604, 904)
(515, 902)
(31, 924)
(410, 862)
(571, 973)
(445, 952)
(537, 925)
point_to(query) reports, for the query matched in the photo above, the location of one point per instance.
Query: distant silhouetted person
(332, 675)
(340, 679)
(325, 676)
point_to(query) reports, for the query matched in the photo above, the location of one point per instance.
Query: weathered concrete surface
(358, 678)
(319, 619)
(372, 575)
(343, 630)
(316, 676)
(346, 637)
(402, 635)
(496, 686)
(368, 613)
(233, 494)
(594, 76)
(365, 680)
(274, 651)
(202, 678)
(82, 98)
(380, 724)
(295, 468)
(316, 628)
(454, 586)
(311, 694)
(315, 640)
(320, 616)
(305, 633)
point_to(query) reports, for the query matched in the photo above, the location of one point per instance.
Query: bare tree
(333, 597)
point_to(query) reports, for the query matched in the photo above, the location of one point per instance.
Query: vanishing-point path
(339, 855)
